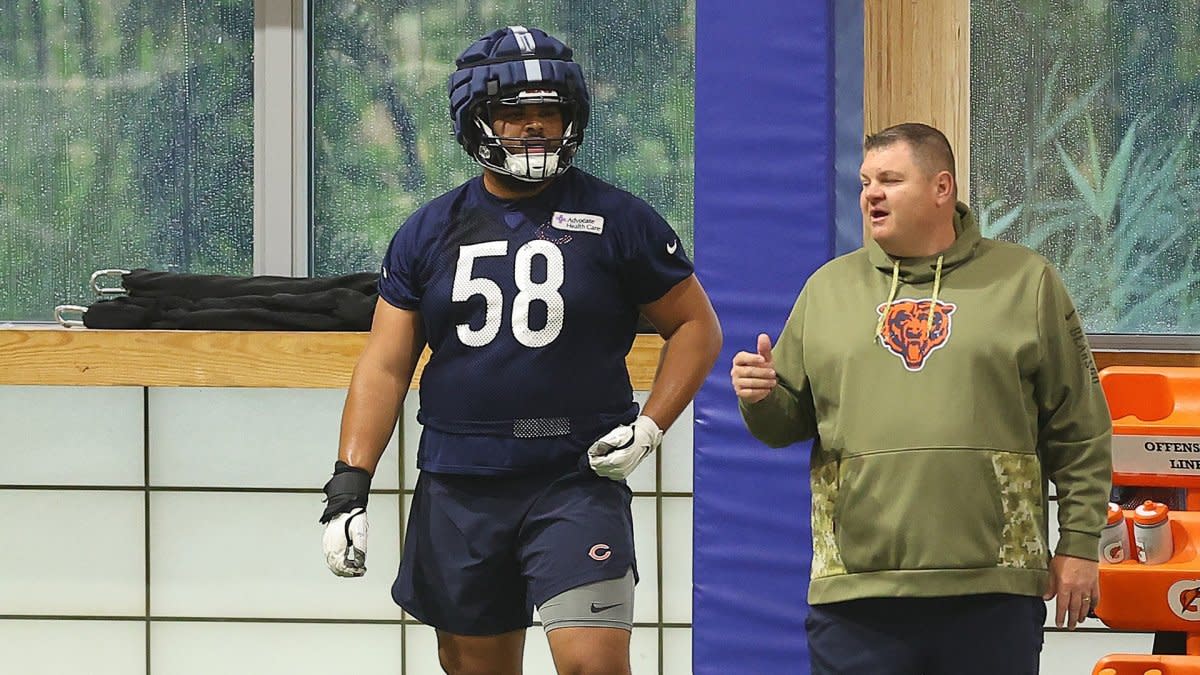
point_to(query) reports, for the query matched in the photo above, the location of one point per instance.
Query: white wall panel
(73, 553)
(248, 437)
(180, 648)
(643, 650)
(259, 555)
(218, 554)
(677, 651)
(677, 559)
(677, 450)
(1052, 525)
(1071, 653)
(69, 647)
(420, 644)
(645, 542)
(72, 435)
(412, 436)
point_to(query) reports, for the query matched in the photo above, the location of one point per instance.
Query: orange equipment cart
(1156, 442)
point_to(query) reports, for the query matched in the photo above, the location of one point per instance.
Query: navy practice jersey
(529, 308)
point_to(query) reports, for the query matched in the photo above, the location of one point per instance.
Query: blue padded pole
(764, 207)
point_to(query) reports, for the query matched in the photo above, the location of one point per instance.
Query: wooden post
(917, 68)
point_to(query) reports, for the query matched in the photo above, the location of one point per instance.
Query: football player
(526, 283)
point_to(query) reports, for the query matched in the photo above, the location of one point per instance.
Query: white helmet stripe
(524, 39)
(533, 70)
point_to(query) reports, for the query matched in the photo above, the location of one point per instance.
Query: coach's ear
(945, 189)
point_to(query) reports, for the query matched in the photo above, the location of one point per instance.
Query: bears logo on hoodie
(909, 334)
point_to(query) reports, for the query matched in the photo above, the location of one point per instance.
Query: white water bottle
(1114, 538)
(1152, 533)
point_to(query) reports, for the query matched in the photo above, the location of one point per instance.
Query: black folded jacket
(148, 283)
(162, 300)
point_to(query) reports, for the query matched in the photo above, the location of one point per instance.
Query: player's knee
(450, 661)
(618, 665)
(456, 662)
(481, 655)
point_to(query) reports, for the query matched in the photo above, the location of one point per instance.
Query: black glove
(346, 490)
(345, 519)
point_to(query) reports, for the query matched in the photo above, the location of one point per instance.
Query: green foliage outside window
(129, 127)
(383, 141)
(128, 141)
(1085, 145)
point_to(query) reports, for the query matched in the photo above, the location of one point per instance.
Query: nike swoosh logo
(672, 246)
(596, 609)
(1069, 315)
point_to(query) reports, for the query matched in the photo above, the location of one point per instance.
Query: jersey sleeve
(653, 257)
(398, 282)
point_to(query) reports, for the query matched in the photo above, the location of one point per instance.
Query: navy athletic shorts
(481, 552)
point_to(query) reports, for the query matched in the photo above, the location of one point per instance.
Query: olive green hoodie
(936, 433)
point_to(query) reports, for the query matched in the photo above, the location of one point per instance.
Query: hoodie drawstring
(887, 306)
(937, 284)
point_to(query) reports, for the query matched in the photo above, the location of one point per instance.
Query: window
(1085, 145)
(137, 126)
(129, 142)
(383, 143)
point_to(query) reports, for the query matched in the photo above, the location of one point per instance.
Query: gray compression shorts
(601, 604)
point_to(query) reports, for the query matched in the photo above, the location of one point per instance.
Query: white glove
(345, 543)
(619, 451)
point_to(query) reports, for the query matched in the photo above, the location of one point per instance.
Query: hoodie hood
(920, 270)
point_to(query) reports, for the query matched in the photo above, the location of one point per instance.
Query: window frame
(282, 199)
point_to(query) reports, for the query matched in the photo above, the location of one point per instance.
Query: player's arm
(377, 389)
(686, 320)
(379, 384)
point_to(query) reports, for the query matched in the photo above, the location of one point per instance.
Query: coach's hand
(753, 374)
(345, 519)
(619, 451)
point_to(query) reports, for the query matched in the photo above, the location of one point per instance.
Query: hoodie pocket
(919, 509)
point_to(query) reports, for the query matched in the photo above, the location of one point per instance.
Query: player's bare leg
(481, 655)
(590, 650)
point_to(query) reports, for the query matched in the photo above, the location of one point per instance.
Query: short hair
(930, 147)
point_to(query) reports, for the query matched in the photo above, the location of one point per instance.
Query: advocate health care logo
(1183, 597)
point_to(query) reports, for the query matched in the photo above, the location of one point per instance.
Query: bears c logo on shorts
(906, 331)
(600, 552)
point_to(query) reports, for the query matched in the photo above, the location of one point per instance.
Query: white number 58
(466, 285)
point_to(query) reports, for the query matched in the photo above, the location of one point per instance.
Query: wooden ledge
(52, 355)
(1105, 359)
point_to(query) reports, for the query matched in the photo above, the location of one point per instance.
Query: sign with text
(1163, 455)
